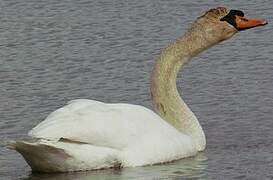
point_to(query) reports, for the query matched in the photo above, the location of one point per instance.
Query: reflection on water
(189, 168)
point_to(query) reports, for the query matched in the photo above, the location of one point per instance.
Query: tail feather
(46, 156)
(41, 157)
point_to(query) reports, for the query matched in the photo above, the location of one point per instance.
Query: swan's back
(88, 121)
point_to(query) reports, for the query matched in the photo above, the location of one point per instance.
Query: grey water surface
(55, 51)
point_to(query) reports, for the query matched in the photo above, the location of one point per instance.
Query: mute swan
(87, 134)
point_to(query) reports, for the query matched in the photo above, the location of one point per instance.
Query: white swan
(87, 134)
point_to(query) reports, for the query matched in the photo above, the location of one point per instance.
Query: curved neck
(166, 99)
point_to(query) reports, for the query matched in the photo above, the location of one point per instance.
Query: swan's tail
(41, 157)
(63, 157)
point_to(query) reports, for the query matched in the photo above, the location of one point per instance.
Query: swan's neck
(166, 99)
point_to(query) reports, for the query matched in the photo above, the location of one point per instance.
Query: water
(55, 51)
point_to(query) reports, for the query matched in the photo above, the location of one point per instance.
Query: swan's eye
(233, 12)
(239, 13)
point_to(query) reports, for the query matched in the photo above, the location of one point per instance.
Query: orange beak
(244, 23)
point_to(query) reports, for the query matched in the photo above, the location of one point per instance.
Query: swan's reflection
(188, 168)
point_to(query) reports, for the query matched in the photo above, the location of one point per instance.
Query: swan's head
(220, 23)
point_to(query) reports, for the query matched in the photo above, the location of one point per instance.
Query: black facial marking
(230, 17)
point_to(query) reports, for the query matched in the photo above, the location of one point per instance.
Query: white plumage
(93, 135)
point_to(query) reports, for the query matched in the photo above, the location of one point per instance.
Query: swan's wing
(97, 123)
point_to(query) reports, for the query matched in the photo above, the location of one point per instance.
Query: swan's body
(87, 134)
(98, 135)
